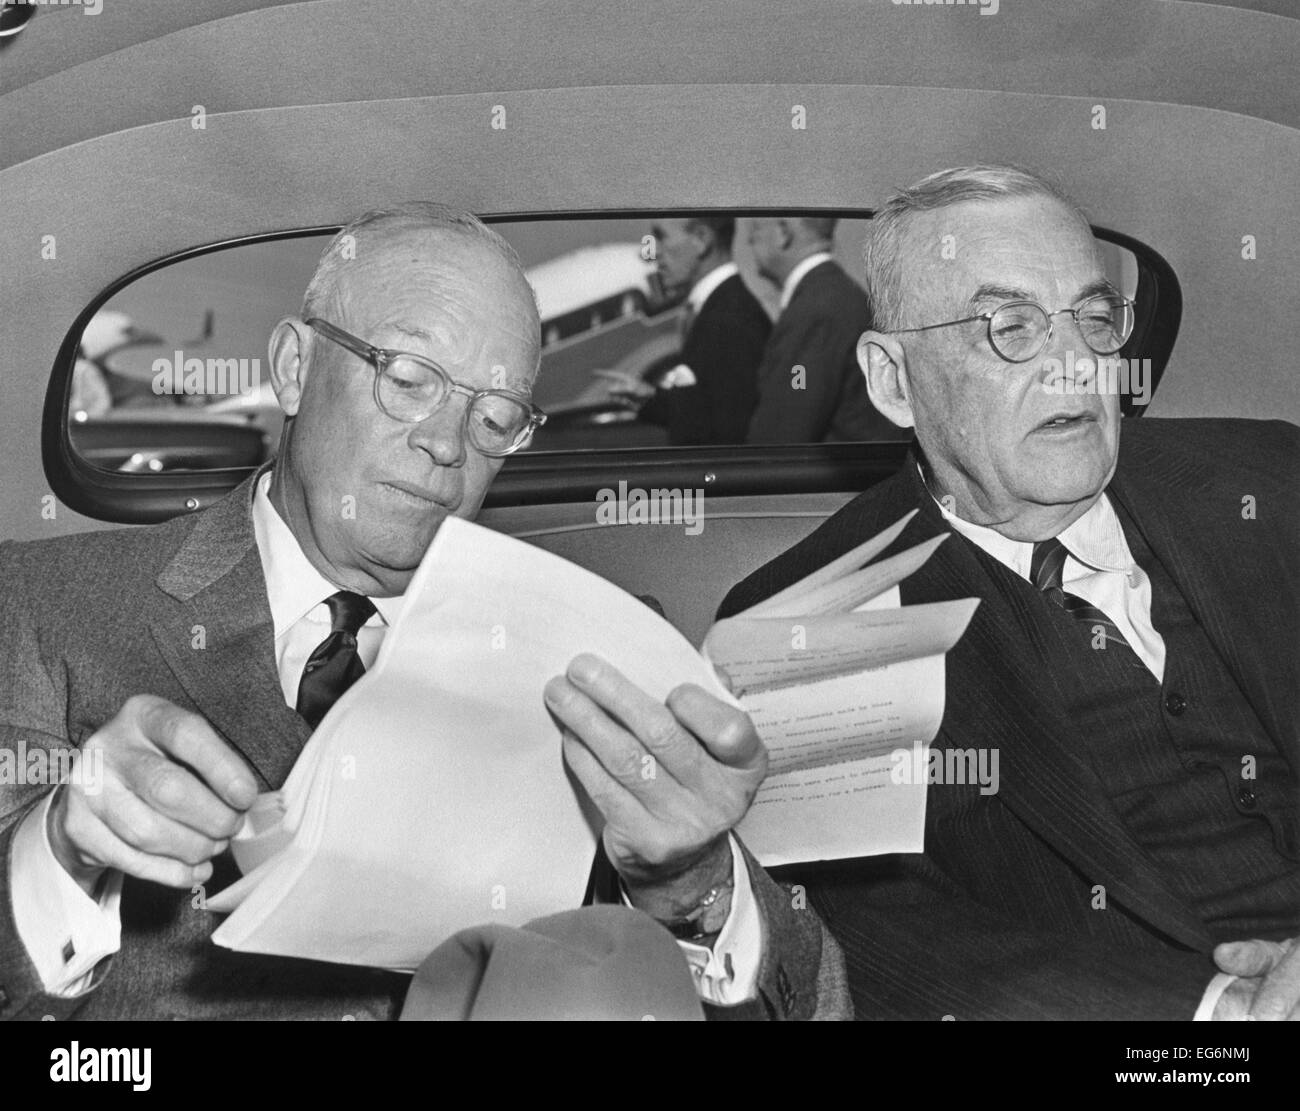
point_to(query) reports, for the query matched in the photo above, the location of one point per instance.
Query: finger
(191, 740)
(725, 731)
(651, 723)
(174, 792)
(113, 852)
(617, 750)
(612, 799)
(1279, 993)
(1248, 958)
(140, 827)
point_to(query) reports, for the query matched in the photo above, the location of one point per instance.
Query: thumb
(1248, 958)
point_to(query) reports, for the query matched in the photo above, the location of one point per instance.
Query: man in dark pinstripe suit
(1133, 661)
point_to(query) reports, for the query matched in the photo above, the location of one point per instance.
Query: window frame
(548, 478)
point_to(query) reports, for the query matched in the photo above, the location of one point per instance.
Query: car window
(170, 373)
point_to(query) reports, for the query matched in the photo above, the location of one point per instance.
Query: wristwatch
(706, 919)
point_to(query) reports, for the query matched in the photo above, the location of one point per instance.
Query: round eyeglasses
(410, 388)
(1019, 330)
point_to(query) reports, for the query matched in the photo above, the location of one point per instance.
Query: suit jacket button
(1175, 703)
(1247, 798)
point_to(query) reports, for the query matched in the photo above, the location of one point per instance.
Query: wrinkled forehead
(454, 289)
(388, 260)
(1032, 245)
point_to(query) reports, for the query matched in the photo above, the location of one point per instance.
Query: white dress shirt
(701, 290)
(796, 275)
(1100, 569)
(67, 933)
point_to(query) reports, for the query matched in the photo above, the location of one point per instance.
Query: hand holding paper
(671, 778)
(444, 791)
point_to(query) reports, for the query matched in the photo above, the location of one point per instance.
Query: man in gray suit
(188, 663)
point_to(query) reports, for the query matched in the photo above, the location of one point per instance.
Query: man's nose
(1067, 338)
(442, 433)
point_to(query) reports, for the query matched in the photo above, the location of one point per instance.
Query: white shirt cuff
(727, 973)
(1212, 995)
(66, 933)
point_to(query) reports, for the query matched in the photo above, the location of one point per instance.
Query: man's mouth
(417, 495)
(1059, 422)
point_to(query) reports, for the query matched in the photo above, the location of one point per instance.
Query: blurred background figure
(106, 332)
(709, 396)
(809, 386)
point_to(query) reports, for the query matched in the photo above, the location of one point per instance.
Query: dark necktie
(1045, 570)
(335, 665)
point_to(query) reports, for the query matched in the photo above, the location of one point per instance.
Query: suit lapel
(216, 636)
(1239, 607)
(998, 698)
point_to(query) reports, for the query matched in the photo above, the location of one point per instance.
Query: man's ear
(884, 365)
(702, 236)
(287, 353)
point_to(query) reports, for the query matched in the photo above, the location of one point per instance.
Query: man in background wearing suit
(1133, 661)
(190, 662)
(707, 398)
(809, 386)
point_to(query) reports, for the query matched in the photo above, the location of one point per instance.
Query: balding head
(362, 491)
(780, 243)
(897, 261)
(393, 228)
(950, 259)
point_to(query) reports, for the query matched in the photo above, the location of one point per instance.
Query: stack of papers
(434, 796)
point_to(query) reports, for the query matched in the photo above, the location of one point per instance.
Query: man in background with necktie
(1133, 666)
(708, 396)
(190, 661)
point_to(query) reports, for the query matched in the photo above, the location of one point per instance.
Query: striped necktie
(1045, 571)
(335, 665)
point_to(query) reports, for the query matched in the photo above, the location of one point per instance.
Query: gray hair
(409, 215)
(883, 252)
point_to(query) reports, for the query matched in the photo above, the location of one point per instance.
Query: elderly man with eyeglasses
(1134, 664)
(195, 658)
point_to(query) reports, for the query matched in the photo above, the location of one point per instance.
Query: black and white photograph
(650, 511)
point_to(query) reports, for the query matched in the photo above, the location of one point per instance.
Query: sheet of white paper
(448, 804)
(824, 801)
(779, 604)
(837, 812)
(765, 652)
(857, 587)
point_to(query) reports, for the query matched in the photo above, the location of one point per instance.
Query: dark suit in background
(1124, 841)
(723, 347)
(818, 330)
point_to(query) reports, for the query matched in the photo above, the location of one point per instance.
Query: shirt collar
(701, 290)
(293, 585)
(1096, 539)
(796, 275)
